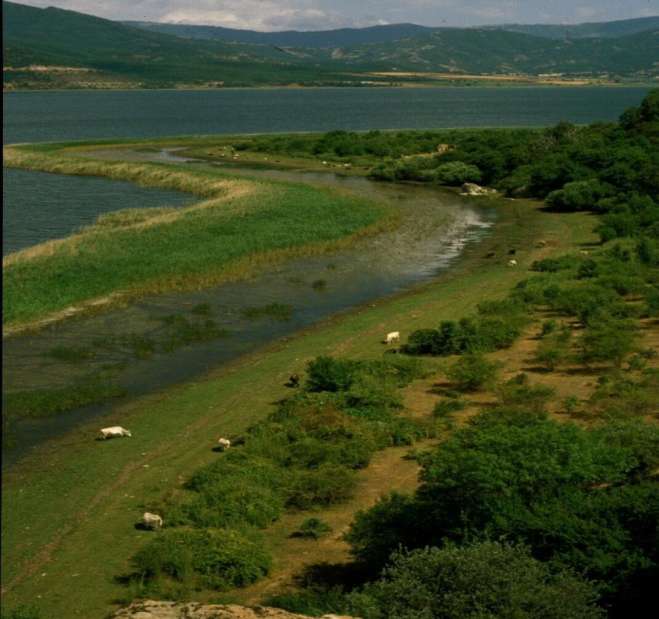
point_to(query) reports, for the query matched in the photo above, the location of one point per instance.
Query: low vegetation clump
(472, 372)
(276, 311)
(44, 402)
(215, 559)
(313, 528)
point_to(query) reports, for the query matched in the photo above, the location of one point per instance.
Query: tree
(483, 580)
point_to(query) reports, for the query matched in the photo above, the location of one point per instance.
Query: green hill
(499, 51)
(611, 29)
(71, 49)
(118, 52)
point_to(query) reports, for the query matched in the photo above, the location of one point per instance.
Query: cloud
(327, 14)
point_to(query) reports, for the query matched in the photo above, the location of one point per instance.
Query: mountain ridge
(52, 48)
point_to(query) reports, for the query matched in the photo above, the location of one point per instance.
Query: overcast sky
(326, 14)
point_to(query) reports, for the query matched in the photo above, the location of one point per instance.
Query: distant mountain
(500, 51)
(350, 37)
(601, 30)
(344, 37)
(56, 37)
(57, 48)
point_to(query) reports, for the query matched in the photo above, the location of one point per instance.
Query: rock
(472, 189)
(154, 609)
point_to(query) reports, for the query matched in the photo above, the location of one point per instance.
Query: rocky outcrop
(472, 189)
(152, 609)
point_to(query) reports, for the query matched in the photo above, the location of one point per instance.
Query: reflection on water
(436, 226)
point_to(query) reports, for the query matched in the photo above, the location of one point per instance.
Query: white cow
(392, 337)
(151, 521)
(512, 263)
(114, 432)
(224, 443)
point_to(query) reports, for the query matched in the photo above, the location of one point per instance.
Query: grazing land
(526, 390)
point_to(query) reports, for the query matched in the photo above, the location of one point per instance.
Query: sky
(270, 15)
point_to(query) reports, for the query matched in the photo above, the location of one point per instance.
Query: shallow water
(436, 227)
(39, 207)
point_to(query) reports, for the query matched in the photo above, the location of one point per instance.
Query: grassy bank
(237, 226)
(96, 492)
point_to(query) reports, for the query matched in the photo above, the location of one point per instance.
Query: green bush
(329, 374)
(471, 372)
(518, 394)
(582, 499)
(217, 559)
(607, 340)
(326, 485)
(486, 579)
(446, 407)
(313, 528)
(456, 173)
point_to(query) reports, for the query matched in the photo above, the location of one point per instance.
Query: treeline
(611, 169)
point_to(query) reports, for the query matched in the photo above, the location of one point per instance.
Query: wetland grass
(238, 227)
(276, 311)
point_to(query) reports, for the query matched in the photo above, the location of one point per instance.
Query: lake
(39, 207)
(74, 115)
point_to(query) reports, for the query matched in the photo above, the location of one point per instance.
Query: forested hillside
(76, 50)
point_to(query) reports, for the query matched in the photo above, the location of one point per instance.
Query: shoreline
(217, 192)
(425, 86)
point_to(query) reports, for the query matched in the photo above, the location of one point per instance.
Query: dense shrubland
(518, 513)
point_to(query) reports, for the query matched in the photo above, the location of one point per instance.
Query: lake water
(74, 115)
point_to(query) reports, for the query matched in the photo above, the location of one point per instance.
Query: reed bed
(239, 225)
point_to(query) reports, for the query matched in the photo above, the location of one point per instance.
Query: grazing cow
(392, 337)
(512, 263)
(223, 443)
(293, 381)
(114, 432)
(151, 521)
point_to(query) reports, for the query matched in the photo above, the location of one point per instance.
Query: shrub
(218, 559)
(486, 579)
(232, 504)
(326, 485)
(518, 394)
(552, 265)
(578, 195)
(472, 371)
(607, 340)
(456, 173)
(446, 407)
(313, 528)
(554, 349)
(329, 374)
